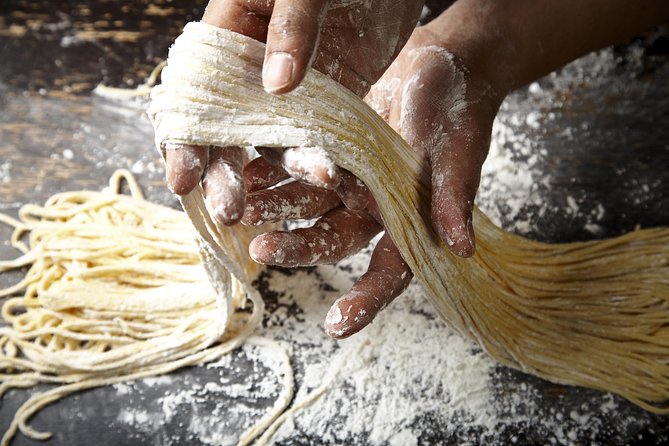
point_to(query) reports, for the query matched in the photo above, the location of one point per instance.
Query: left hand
(340, 231)
(352, 42)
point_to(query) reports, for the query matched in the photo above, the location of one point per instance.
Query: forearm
(515, 42)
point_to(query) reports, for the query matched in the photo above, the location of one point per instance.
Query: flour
(211, 407)
(405, 380)
(512, 177)
(141, 419)
(273, 208)
(5, 172)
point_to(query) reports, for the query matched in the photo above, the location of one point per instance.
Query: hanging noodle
(115, 292)
(594, 314)
(143, 90)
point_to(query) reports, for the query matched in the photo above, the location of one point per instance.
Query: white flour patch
(5, 171)
(512, 177)
(407, 379)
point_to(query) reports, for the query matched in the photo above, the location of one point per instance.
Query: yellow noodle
(594, 314)
(123, 93)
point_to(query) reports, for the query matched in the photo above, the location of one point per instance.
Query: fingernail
(251, 216)
(348, 315)
(278, 72)
(312, 165)
(334, 316)
(225, 209)
(283, 250)
(183, 169)
(458, 239)
(258, 250)
(336, 324)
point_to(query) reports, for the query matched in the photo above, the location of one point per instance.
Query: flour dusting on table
(407, 379)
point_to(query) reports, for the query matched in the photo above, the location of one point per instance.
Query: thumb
(448, 119)
(456, 172)
(292, 38)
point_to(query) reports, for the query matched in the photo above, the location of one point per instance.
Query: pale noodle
(114, 292)
(594, 314)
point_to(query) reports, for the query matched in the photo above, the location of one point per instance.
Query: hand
(353, 44)
(444, 89)
(445, 111)
(426, 94)
(340, 232)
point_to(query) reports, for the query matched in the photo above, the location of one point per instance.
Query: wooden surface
(605, 143)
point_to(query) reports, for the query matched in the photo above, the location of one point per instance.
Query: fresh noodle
(593, 314)
(115, 291)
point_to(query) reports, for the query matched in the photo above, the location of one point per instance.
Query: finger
(312, 165)
(223, 184)
(338, 234)
(455, 178)
(184, 166)
(292, 37)
(453, 132)
(260, 174)
(291, 201)
(386, 278)
(352, 191)
(456, 172)
(248, 18)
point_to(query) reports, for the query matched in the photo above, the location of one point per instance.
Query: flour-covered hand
(353, 42)
(439, 106)
(339, 232)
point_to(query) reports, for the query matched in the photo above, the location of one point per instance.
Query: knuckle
(291, 25)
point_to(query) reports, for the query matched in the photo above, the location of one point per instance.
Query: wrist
(513, 43)
(489, 57)
(485, 86)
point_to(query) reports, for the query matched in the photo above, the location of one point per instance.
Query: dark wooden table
(603, 136)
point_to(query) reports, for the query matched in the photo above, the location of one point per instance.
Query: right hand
(353, 44)
(444, 108)
(445, 112)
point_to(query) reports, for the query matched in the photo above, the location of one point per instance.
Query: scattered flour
(405, 380)
(5, 171)
(511, 180)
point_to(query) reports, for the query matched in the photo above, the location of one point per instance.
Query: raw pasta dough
(593, 314)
